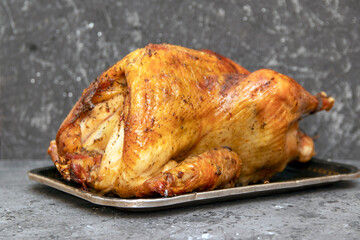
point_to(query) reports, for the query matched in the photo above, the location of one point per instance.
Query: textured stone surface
(29, 210)
(51, 50)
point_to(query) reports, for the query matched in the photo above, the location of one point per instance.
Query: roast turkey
(167, 120)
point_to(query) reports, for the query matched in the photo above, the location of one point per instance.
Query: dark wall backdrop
(51, 50)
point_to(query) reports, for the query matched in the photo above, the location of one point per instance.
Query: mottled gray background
(51, 50)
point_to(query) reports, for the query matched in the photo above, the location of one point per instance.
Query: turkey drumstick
(216, 168)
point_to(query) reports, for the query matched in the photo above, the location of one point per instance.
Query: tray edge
(222, 194)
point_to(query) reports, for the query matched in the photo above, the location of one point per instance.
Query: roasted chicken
(167, 120)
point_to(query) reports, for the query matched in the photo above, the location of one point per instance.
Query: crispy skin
(166, 102)
(210, 170)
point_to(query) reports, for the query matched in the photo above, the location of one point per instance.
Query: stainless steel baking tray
(295, 176)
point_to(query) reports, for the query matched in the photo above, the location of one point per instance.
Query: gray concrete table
(29, 210)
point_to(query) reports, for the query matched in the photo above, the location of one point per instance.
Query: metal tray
(296, 176)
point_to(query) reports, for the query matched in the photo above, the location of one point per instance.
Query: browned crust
(217, 168)
(233, 65)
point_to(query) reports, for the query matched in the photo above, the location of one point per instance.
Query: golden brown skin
(210, 170)
(162, 104)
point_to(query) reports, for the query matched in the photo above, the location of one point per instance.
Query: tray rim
(195, 197)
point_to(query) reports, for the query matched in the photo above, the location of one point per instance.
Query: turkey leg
(217, 168)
